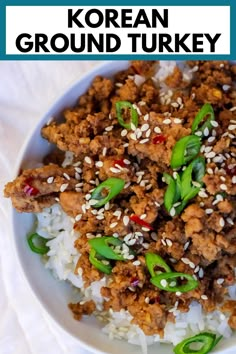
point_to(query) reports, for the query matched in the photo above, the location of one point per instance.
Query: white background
(26, 91)
(182, 19)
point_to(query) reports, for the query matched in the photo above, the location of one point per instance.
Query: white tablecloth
(26, 91)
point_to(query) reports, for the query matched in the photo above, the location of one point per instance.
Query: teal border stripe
(4, 3)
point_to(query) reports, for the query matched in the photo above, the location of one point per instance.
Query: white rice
(55, 225)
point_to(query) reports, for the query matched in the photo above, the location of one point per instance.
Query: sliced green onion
(163, 281)
(172, 193)
(208, 341)
(204, 111)
(102, 246)
(185, 150)
(113, 185)
(37, 244)
(98, 263)
(154, 260)
(195, 171)
(124, 105)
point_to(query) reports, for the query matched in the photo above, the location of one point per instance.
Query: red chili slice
(159, 139)
(119, 162)
(29, 189)
(137, 220)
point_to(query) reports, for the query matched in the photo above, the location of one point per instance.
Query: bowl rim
(50, 107)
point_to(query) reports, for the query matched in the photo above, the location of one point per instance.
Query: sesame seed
(119, 84)
(206, 132)
(148, 133)
(172, 211)
(114, 224)
(222, 222)
(146, 117)
(133, 136)
(177, 120)
(163, 242)
(126, 145)
(185, 260)
(174, 104)
(127, 185)
(136, 263)
(78, 169)
(164, 283)
(108, 129)
(88, 160)
(191, 265)
(204, 297)
(133, 126)
(230, 221)
(127, 162)
(211, 139)
(104, 151)
(100, 217)
(198, 133)
(50, 180)
(234, 179)
(145, 229)
(214, 123)
(78, 217)
(202, 194)
(57, 199)
(167, 121)
(178, 293)
(143, 216)
(144, 141)
(169, 242)
(157, 130)
(126, 220)
(154, 236)
(209, 211)
(186, 245)
(124, 132)
(144, 127)
(220, 281)
(232, 126)
(114, 170)
(201, 273)
(223, 187)
(226, 87)
(210, 155)
(208, 148)
(233, 109)
(87, 196)
(63, 187)
(147, 300)
(117, 213)
(196, 269)
(83, 207)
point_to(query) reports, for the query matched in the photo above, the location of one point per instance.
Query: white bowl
(88, 331)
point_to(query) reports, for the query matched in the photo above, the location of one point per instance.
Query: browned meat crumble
(201, 241)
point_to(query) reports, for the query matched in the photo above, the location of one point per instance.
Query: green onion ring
(114, 187)
(35, 239)
(185, 150)
(158, 281)
(105, 268)
(154, 260)
(208, 340)
(120, 106)
(195, 171)
(204, 111)
(101, 246)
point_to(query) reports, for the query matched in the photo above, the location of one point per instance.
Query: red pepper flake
(159, 139)
(137, 220)
(29, 189)
(119, 162)
(230, 171)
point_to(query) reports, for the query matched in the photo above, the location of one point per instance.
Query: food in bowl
(135, 206)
